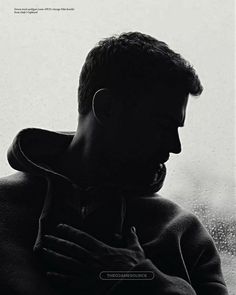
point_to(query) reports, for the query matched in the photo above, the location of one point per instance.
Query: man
(85, 201)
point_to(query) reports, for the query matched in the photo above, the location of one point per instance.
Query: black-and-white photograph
(117, 154)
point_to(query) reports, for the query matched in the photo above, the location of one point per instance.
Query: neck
(85, 163)
(81, 161)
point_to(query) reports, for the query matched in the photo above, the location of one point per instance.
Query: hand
(76, 258)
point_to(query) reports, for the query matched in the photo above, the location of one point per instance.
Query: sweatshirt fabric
(179, 251)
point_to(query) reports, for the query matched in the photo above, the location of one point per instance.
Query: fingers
(67, 248)
(63, 263)
(79, 237)
(132, 238)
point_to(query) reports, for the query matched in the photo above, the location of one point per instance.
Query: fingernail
(133, 229)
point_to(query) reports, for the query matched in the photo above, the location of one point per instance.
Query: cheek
(150, 137)
(144, 145)
(138, 138)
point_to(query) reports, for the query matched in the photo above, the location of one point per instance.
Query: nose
(175, 144)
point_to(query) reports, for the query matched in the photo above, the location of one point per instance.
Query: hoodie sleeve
(202, 262)
(20, 207)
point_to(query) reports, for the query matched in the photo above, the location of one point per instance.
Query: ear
(102, 105)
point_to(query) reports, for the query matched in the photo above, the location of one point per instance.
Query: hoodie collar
(32, 148)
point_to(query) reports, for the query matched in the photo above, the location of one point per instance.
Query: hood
(32, 149)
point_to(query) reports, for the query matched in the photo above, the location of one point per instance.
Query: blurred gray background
(41, 57)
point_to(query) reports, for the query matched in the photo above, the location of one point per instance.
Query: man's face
(144, 137)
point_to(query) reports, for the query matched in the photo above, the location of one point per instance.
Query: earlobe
(102, 105)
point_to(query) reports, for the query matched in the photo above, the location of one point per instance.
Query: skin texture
(111, 144)
(77, 259)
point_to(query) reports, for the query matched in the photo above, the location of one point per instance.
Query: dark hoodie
(179, 251)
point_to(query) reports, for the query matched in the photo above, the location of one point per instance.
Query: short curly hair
(132, 64)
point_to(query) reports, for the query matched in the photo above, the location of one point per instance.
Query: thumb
(132, 238)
